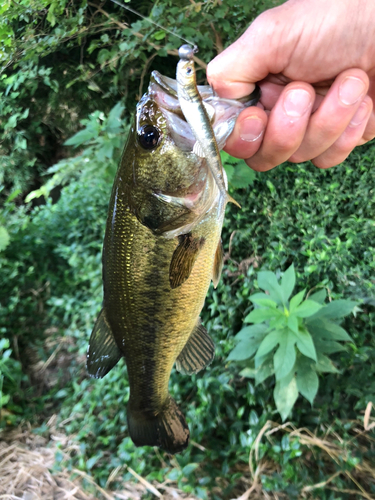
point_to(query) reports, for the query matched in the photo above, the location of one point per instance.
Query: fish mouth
(224, 111)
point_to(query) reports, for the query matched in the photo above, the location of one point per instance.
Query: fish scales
(162, 248)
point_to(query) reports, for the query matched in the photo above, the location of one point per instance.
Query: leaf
(285, 356)
(114, 117)
(159, 35)
(262, 299)
(319, 296)
(296, 300)
(288, 282)
(4, 238)
(306, 309)
(269, 342)
(325, 329)
(267, 281)
(80, 137)
(189, 468)
(285, 395)
(336, 309)
(243, 176)
(325, 365)
(251, 331)
(260, 315)
(293, 323)
(328, 346)
(307, 379)
(305, 344)
(264, 371)
(245, 349)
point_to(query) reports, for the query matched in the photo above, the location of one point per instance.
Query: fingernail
(351, 89)
(296, 102)
(360, 115)
(251, 129)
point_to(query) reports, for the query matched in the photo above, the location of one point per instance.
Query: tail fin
(168, 429)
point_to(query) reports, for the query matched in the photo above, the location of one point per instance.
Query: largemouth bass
(161, 250)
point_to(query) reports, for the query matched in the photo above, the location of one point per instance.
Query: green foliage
(290, 338)
(239, 175)
(10, 385)
(102, 139)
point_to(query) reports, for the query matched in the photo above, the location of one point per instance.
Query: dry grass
(26, 473)
(324, 446)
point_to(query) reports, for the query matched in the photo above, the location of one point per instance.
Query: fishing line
(156, 24)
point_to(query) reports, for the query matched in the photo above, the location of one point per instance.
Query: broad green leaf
(260, 315)
(189, 468)
(336, 309)
(306, 309)
(264, 371)
(305, 344)
(296, 300)
(285, 395)
(114, 117)
(285, 356)
(322, 328)
(293, 323)
(245, 349)
(325, 365)
(319, 296)
(267, 281)
(307, 379)
(4, 238)
(159, 35)
(328, 346)
(248, 372)
(262, 299)
(279, 322)
(80, 137)
(269, 342)
(243, 175)
(288, 282)
(251, 331)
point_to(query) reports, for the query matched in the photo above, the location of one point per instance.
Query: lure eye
(148, 137)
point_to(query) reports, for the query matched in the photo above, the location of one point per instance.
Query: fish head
(159, 171)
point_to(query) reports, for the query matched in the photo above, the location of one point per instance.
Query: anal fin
(218, 264)
(183, 258)
(103, 353)
(198, 352)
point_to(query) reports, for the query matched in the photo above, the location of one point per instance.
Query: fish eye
(148, 137)
(188, 70)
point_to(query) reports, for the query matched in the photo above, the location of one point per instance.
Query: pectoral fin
(183, 259)
(103, 353)
(218, 264)
(198, 352)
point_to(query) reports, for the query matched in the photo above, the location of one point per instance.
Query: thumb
(250, 59)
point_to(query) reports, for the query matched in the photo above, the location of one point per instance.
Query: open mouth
(224, 112)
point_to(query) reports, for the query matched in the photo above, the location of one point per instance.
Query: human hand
(315, 61)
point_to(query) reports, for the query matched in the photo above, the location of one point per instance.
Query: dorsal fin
(103, 353)
(183, 258)
(198, 352)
